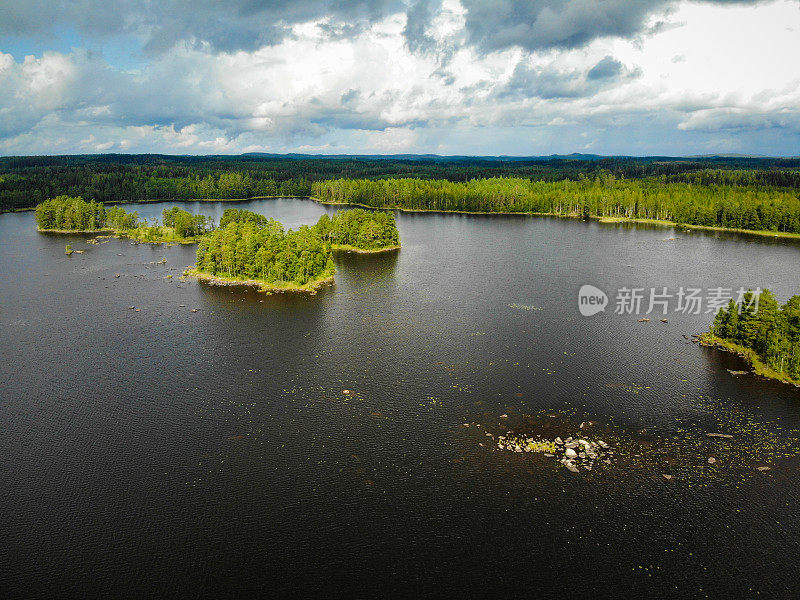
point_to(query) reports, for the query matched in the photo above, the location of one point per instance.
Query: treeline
(184, 223)
(75, 214)
(28, 181)
(764, 326)
(739, 177)
(248, 251)
(603, 196)
(66, 213)
(360, 229)
(248, 246)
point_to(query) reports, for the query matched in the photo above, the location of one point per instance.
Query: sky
(449, 77)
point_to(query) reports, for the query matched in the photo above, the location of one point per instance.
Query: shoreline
(312, 287)
(665, 223)
(353, 249)
(576, 216)
(709, 340)
(609, 220)
(82, 231)
(121, 234)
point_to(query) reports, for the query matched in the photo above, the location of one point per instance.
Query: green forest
(767, 329)
(359, 229)
(66, 213)
(28, 181)
(245, 250)
(729, 206)
(75, 214)
(248, 246)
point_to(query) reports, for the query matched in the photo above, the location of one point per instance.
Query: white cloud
(369, 92)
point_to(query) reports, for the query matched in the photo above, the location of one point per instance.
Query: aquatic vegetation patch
(516, 306)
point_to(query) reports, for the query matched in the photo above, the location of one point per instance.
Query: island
(360, 231)
(764, 333)
(67, 214)
(249, 249)
(246, 249)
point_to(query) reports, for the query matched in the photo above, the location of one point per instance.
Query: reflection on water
(216, 442)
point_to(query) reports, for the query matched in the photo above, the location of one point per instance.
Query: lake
(343, 444)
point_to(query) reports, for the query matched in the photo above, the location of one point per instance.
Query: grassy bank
(82, 231)
(149, 235)
(310, 288)
(348, 248)
(780, 234)
(752, 358)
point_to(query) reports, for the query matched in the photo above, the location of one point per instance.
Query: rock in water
(570, 453)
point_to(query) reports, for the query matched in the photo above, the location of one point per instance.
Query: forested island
(247, 247)
(359, 230)
(256, 251)
(66, 214)
(737, 207)
(763, 332)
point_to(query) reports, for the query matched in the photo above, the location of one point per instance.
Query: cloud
(549, 81)
(412, 78)
(545, 24)
(229, 26)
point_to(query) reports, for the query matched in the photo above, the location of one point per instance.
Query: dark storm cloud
(250, 24)
(607, 68)
(417, 20)
(226, 26)
(549, 83)
(543, 24)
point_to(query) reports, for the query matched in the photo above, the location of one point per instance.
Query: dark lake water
(162, 452)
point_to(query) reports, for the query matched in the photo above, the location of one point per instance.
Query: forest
(360, 230)
(748, 207)
(246, 245)
(66, 213)
(28, 181)
(764, 327)
(249, 246)
(245, 250)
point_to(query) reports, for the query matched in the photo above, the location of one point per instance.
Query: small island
(246, 249)
(360, 231)
(764, 333)
(66, 214)
(250, 249)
